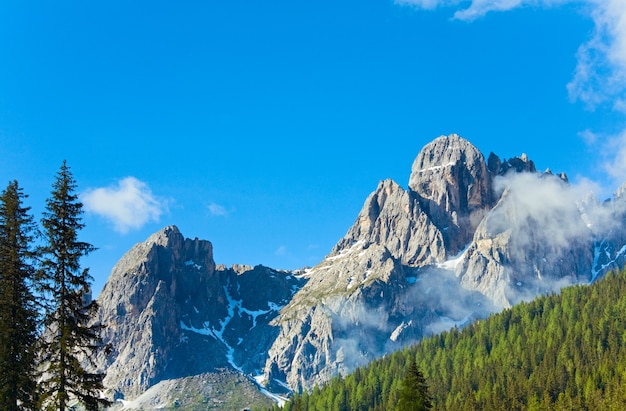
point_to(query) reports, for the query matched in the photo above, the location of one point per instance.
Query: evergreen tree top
(18, 309)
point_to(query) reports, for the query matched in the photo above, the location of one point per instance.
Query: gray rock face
(308, 349)
(140, 305)
(467, 238)
(357, 305)
(393, 217)
(382, 285)
(451, 178)
(170, 313)
(512, 258)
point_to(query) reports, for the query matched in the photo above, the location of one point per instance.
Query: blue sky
(263, 126)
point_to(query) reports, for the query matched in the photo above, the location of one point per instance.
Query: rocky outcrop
(514, 256)
(358, 305)
(394, 218)
(519, 164)
(307, 350)
(206, 391)
(452, 181)
(467, 238)
(141, 305)
(171, 313)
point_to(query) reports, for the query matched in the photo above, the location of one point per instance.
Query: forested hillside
(565, 351)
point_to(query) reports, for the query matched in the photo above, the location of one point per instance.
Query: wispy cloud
(600, 73)
(615, 157)
(588, 136)
(611, 151)
(478, 8)
(282, 250)
(217, 209)
(129, 204)
(429, 4)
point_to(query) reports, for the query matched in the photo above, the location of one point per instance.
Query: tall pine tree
(414, 392)
(71, 338)
(18, 310)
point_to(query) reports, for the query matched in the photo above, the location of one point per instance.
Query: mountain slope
(468, 237)
(563, 351)
(172, 313)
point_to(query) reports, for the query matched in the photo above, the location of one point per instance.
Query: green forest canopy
(564, 351)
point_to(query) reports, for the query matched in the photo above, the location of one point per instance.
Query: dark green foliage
(18, 311)
(414, 392)
(565, 352)
(70, 336)
(375, 387)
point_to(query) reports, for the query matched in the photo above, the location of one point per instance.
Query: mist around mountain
(561, 351)
(468, 237)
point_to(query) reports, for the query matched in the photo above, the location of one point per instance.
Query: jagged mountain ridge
(466, 238)
(462, 241)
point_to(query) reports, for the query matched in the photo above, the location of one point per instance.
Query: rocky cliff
(172, 313)
(467, 237)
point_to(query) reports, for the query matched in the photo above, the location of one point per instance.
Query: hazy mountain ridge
(468, 237)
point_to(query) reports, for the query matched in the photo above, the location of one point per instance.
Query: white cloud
(600, 73)
(478, 8)
(128, 205)
(217, 210)
(428, 4)
(588, 136)
(281, 251)
(620, 105)
(611, 152)
(615, 165)
(543, 207)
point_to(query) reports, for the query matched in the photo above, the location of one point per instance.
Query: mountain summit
(454, 186)
(466, 238)
(171, 313)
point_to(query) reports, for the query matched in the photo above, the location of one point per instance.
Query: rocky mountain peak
(620, 193)
(142, 303)
(519, 164)
(171, 312)
(393, 217)
(468, 237)
(451, 177)
(445, 151)
(164, 236)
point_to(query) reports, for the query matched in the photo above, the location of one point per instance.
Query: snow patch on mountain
(357, 246)
(600, 250)
(191, 263)
(452, 263)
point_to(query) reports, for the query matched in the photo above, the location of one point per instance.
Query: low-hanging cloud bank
(128, 205)
(548, 210)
